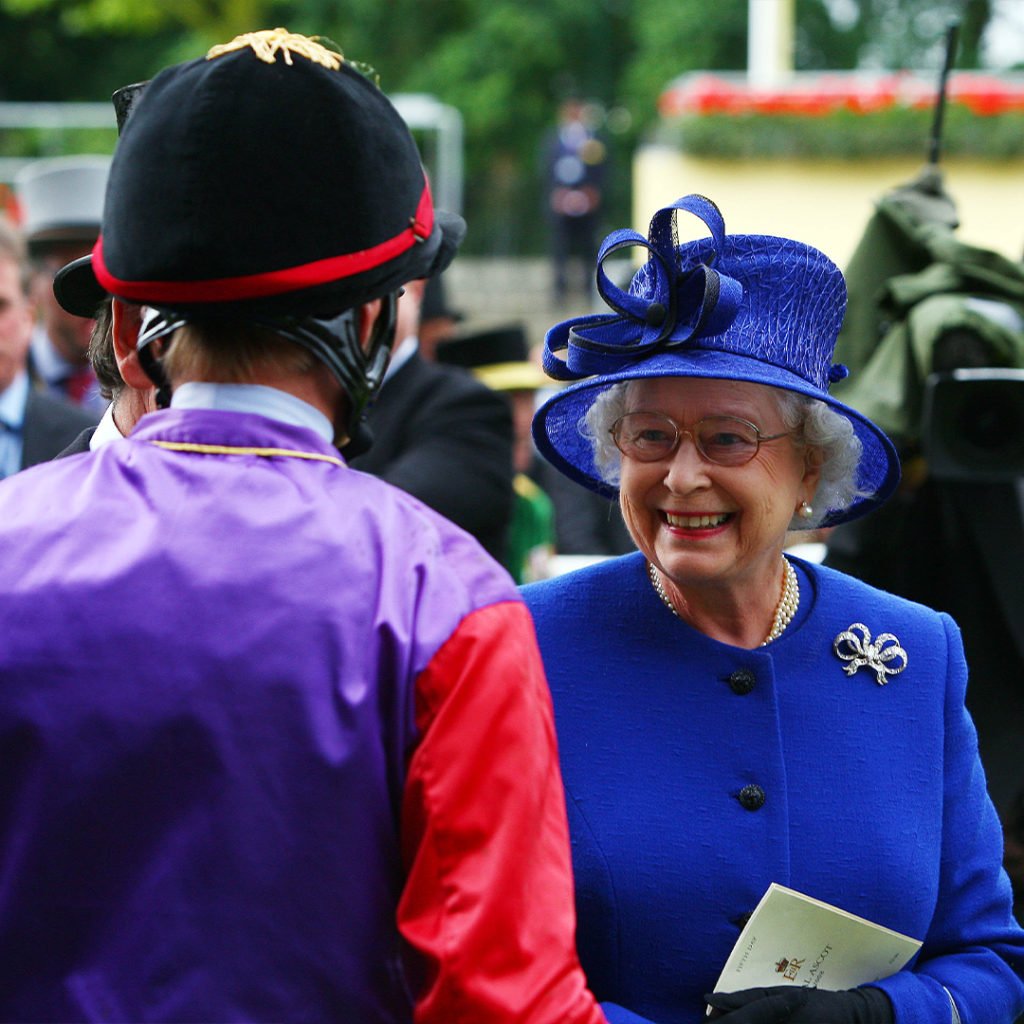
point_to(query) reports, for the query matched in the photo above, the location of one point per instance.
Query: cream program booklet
(794, 939)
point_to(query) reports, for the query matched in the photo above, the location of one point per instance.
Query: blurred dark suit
(50, 426)
(79, 444)
(959, 547)
(585, 523)
(442, 436)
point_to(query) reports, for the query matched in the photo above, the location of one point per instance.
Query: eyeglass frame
(692, 432)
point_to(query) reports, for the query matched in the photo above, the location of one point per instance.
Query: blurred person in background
(61, 206)
(441, 436)
(122, 381)
(438, 321)
(79, 293)
(586, 523)
(500, 358)
(574, 160)
(33, 426)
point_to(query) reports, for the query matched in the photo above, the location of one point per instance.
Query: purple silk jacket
(209, 728)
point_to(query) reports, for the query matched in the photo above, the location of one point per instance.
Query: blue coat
(697, 773)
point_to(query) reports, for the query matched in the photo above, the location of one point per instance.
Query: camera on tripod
(974, 424)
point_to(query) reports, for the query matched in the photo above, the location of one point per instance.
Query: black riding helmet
(270, 182)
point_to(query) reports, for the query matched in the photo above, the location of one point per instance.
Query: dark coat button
(742, 681)
(751, 797)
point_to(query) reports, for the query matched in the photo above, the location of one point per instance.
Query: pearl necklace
(784, 610)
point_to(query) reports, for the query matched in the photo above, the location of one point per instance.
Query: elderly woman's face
(703, 523)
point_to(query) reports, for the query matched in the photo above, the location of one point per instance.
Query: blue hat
(749, 308)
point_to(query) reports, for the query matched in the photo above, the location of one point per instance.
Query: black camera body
(973, 425)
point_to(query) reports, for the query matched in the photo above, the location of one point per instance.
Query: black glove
(786, 1005)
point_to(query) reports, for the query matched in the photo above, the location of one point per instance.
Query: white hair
(820, 426)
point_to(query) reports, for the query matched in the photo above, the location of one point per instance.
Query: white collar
(106, 430)
(256, 398)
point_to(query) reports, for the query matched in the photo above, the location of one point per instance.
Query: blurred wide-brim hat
(60, 200)
(435, 301)
(500, 357)
(270, 177)
(753, 308)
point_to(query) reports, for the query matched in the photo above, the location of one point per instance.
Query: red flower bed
(818, 95)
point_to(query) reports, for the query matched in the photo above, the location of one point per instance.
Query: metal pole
(770, 29)
(935, 139)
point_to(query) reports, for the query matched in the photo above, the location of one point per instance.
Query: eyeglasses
(723, 440)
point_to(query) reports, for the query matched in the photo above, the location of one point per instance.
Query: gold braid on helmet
(268, 43)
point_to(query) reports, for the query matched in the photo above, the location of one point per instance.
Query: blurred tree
(976, 16)
(823, 42)
(911, 33)
(41, 60)
(503, 63)
(506, 71)
(889, 34)
(222, 19)
(672, 37)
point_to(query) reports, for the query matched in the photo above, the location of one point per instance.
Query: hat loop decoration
(863, 652)
(681, 304)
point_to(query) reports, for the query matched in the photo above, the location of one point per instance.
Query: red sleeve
(488, 900)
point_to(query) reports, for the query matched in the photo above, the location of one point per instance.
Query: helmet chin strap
(155, 326)
(334, 341)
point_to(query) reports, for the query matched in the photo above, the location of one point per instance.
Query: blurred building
(808, 157)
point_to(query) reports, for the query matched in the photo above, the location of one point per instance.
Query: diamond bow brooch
(855, 646)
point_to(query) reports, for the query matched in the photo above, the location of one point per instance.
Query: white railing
(438, 125)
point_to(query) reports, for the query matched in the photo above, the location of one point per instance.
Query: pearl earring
(805, 511)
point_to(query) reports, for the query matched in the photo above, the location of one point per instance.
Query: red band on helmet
(273, 282)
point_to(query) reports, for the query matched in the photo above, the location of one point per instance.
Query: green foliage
(42, 61)
(222, 20)
(822, 45)
(894, 34)
(36, 142)
(503, 63)
(464, 70)
(845, 135)
(503, 66)
(675, 36)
